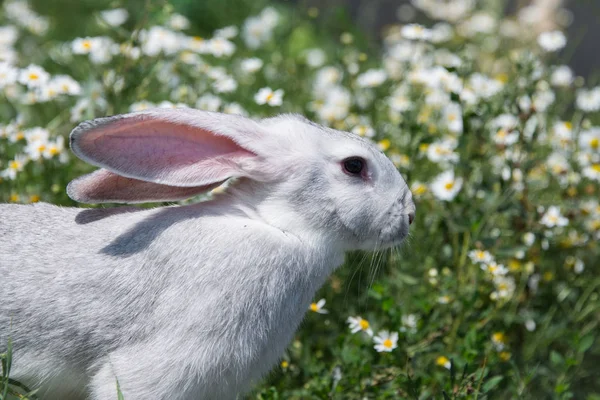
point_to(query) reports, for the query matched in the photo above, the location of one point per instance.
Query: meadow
(496, 293)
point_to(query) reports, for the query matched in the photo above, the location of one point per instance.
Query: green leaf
(492, 383)
(556, 358)
(586, 343)
(119, 393)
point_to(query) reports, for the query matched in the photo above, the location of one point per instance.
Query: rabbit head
(298, 176)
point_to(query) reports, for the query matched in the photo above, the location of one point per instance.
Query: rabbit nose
(411, 217)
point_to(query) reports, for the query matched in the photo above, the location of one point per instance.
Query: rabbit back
(216, 299)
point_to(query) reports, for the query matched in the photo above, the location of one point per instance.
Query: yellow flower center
(314, 307)
(33, 76)
(14, 198)
(569, 125)
(441, 361)
(452, 117)
(53, 151)
(596, 167)
(419, 190)
(501, 134)
(34, 198)
(284, 364)
(14, 164)
(502, 77)
(595, 143)
(449, 185)
(385, 144)
(270, 96)
(387, 343)
(498, 337)
(20, 136)
(364, 324)
(86, 44)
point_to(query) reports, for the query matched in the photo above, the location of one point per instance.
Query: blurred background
(580, 18)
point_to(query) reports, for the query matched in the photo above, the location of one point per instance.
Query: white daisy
(494, 268)
(590, 140)
(592, 172)
(445, 186)
(409, 323)
(357, 324)
(589, 100)
(386, 341)
(251, 65)
(562, 76)
(209, 102)
(178, 22)
(416, 32)
(480, 256)
(552, 41)
(553, 218)
(8, 74)
(371, 78)
(33, 76)
(115, 17)
(318, 307)
(266, 95)
(15, 166)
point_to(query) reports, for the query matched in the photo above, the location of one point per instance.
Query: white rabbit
(195, 301)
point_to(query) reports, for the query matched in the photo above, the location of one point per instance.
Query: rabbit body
(195, 301)
(166, 317)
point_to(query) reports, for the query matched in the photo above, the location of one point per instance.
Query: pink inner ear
(103, 186)
(155, 150)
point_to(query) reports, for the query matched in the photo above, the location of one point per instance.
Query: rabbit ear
(173, 147)
(103, 186)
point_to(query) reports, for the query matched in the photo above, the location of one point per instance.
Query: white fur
(198, 301)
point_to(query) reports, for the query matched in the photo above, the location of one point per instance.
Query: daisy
(409, 323)
(590, 140)
(209, 102)
(8, 74)
(418, 189)
(14, 166)
(318, 307)
(592, 172)
(33, 76)
(357, 324)
(494, 268)
(445, 186)
(371, 78)
(443, 362)
(553, 218)
(480, 256)
(552, 41)
(529, 239)
(588, 100)
(178, 22)
(220, 47)
(453, 118)
(115, 17)
(416, 32)
(251, 65)
(505, 287)
(267, 96)
(499, 341)
(386, 341)
(562, 76)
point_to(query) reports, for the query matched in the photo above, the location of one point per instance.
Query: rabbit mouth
(395, 232)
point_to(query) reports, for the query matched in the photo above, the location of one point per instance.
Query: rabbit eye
(354, 165)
